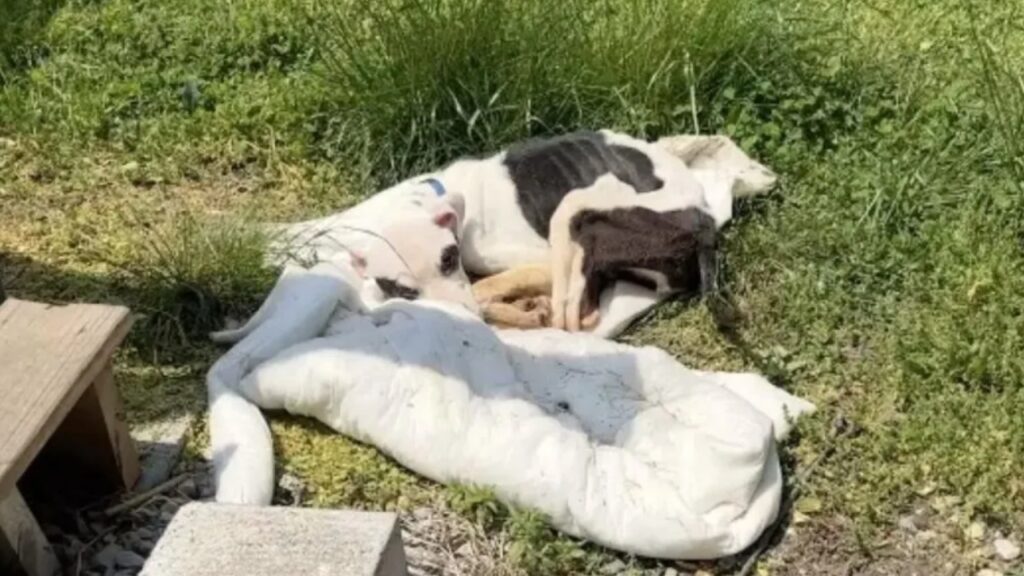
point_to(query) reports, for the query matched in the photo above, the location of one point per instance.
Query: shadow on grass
(160, 381)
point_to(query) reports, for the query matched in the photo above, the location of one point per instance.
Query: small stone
(145, 533)
(976, 531)
(207, 490)
(107, 557)
(925, 535)
(144, 547)
(840, 424)
(671, 572)
(613, 567)
(1006, 550)
(292, 487)
(189, 489)
(129, 559)
(907, 523)
(166, 517)
(989, 572)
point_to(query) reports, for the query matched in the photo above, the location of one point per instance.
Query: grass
(884, 280)
(415, 84)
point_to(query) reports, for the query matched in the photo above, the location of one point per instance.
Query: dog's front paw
(590, 321)
(538, 309)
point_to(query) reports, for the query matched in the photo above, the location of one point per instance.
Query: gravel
(119, 545)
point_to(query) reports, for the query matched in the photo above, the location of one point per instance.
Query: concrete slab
(208, 539)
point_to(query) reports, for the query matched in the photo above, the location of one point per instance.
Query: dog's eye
(450, 260)
(393, 289)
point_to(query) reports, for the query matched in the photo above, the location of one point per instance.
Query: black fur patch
(681, 244)
(544, 171)
(393, 289)
(449, 260)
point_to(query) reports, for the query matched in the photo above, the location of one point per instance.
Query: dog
(621, 223)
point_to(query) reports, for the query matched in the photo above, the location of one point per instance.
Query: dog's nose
(454, 292)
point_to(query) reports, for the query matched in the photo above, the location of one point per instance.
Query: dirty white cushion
(617, 444)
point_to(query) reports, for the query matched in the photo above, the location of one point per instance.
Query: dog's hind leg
(505, 315)
(575, 291)
(607, 193)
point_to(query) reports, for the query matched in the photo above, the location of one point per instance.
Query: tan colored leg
(513, 284)
(23, 546)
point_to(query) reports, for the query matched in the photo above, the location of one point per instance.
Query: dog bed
(619, 445)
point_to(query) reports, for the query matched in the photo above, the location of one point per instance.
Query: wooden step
(56, 382)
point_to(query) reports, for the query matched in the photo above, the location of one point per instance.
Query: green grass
(414, 84)
(884, 279)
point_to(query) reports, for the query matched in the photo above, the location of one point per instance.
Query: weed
(187, 276)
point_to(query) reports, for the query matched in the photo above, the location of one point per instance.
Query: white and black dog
(622, 222)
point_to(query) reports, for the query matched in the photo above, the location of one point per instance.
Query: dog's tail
(297, 309)
(716, 297)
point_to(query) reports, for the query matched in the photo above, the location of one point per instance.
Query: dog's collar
(436, 185)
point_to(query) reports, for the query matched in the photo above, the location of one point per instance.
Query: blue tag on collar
(435, 184)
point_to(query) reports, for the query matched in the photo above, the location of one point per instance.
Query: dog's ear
(449, 213)
(447, 218)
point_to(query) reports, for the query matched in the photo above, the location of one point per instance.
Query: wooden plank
(49, 355)
(23, 546)
(94, 436)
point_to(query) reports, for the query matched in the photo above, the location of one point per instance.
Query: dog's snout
(456, 291)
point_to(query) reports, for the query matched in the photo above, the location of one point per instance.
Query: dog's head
(420, 257)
